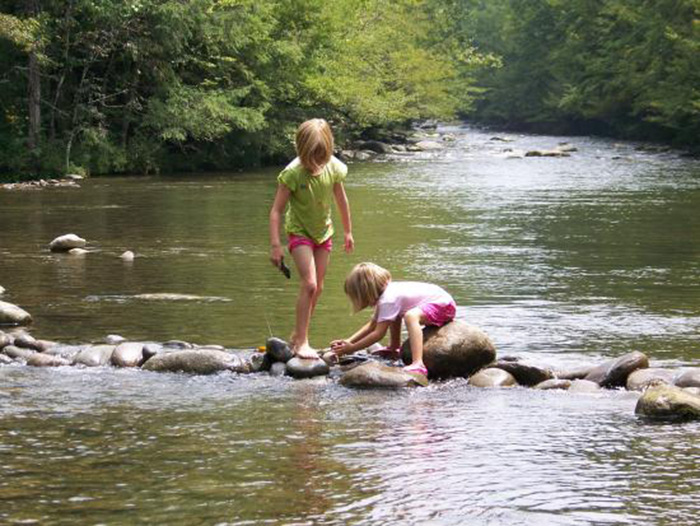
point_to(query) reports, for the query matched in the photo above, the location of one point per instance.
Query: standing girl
(394, 302)
(308, 184)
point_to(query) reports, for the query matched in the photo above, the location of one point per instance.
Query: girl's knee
(309, 287)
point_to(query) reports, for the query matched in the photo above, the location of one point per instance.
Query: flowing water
(561, 260)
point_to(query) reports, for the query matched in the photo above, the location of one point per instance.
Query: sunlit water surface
(563, 261)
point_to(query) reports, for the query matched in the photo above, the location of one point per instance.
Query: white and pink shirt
(401, 296)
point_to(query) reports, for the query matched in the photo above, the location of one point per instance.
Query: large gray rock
(94, 356)
(377, 375)
(46, 360)
(66, 242)
(18, 353)
(128, 355)
(688, 378)
(195, 362)
(278, 350)
(524, 374)
(668, 402)
(575, 373)
(614, 373)
(554, 383)
(642, 379)
(492, 377)
(27, 341)
(306, 367)
(456, 349)
(13, 315)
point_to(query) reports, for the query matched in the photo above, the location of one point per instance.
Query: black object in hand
(285, 269)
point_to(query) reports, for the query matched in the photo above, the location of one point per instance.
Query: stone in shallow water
(127, 256)
(278, 350)
(151, 349)
(306, 367)
(128, 355)
(493, 377)
(178, 344)
(26, 341)
(66, 242)
(5, 340)
(46, 360)
(18, 353)
(456, 349)
(554, 383)
(576, 373)
(668, 402)
(688, 378)
(524, 374)
(114, 339)
(644, 378)
(195, 362)
(259, 362)
(614, 373)
(584, 386)
(377, 375)
(94, 356)
(5, 360)
(13, 315)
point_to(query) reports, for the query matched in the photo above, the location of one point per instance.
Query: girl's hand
(276, 254)
(341, 346)
(349, 242)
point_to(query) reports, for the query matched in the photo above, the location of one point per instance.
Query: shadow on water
(561, 260)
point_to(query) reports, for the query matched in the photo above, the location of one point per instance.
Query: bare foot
(306, 352)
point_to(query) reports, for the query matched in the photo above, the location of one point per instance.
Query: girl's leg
(414, 318)
(303, 256)
(321, 260)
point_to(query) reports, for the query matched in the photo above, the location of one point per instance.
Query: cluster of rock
(398, 142)
(69, 181)
(75, 246)
(563, 149)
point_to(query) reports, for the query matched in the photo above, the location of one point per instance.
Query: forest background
(145, 86)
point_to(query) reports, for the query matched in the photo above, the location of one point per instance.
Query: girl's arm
(364, 331)
(341, 200)
(280, 202)
(373, 336)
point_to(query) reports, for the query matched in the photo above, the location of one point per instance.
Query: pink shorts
(294, 241)
(439, 313)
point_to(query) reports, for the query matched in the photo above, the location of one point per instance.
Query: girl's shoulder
(338, 166)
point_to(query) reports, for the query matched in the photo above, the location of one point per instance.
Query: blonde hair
(314, 143)
(365, 283)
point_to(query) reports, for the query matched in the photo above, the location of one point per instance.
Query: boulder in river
(524, 374)
(66, 242)
(492, 377)
(667, 402)
(5, 340)
(129, 354)
(642, 379)
(547, 153)
(584, 386)
(5, 360)
(456, 349)
(195, 362)
(77, 252)
(377, 375)
(94, 355)
(375, 146)
(688, 378)
(429, 145)
(13, 315)
(259, 362)
(178, 344)
(17, 353)
(46, 360)
(26, 341)
(278, 350)
(127, 256)
(306, 367)
(114, 339)
(614, 373)
(150, 350)
(575, 373)
(554, 383)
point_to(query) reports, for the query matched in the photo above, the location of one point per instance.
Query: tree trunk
(34, 137)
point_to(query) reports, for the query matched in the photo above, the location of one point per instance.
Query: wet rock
(68, 352)
(45, 345)
(128, 355)
(584, 386)
(66, 242)
(5, 360)
(18, 353)
(375, 146)
(5, 340)
(127, 256)
(577, 373)
(524, 374)
(278, 369)
(688, 378)
(492, 377)
(26, 341)
(546, 153)
(426, 146)
(566, 148)
(306, 367)
(260, 362)
(644, 378)
(554, 383)
(377, 375)
(77, 252)
(114, 339)
(13, 315)
(150, 350)
(195, 362)
(178, 344)
(46, 360)
(94, 355)
(615, 372)
(456, 349)
(278, 350)
(666, 402)
(364, 155)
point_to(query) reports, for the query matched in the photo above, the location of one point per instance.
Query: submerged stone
(306, 367)
(11, 314)
(377, 375)
(492, 377)
(66, 242)
(195, 362)
(456, 349)
(46, 360)
(668, 402)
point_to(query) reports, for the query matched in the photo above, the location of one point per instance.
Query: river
(560, 260)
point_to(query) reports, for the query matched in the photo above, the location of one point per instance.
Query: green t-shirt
(309, 211)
